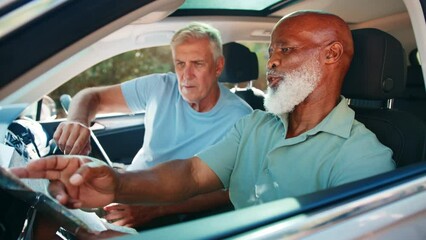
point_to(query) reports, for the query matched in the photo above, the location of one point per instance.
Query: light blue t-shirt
(173, 130)
(258, 164)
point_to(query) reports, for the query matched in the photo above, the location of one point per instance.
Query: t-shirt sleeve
(221, 157)
(136, 92)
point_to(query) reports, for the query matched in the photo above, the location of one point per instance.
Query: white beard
(293, 89)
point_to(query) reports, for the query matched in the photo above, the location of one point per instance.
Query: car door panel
(121, 136)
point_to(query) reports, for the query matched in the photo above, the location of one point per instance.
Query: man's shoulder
(233, 102)
(362, 138)
(164, 77)
(260, 117)
(359, 130)
(260, 114)
(156, 82)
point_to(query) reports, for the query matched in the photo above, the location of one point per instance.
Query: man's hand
(73, 138)
(131, 215)
(77, 181)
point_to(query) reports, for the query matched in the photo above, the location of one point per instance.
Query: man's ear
(334, 51)
(220, 63)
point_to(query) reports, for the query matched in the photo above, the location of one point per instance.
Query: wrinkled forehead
(287, 32)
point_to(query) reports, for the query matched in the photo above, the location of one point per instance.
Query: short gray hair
(200, 30)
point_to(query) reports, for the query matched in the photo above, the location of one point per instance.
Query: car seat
(241, 66)
(414, 97)
(377, 74)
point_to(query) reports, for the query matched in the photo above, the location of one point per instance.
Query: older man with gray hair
(186, 112)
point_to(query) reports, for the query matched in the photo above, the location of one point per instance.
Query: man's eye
(270, 51)
(180, 64)
(285, 50)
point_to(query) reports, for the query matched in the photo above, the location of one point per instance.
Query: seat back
(414, 98)
(241, 66)
(377, 74)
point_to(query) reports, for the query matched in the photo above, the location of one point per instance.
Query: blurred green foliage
(117, 69)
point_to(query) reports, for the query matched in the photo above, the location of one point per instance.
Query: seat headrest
(413, 57)
(415, 76)
(241, 64)
(414, 71)
(377, 71)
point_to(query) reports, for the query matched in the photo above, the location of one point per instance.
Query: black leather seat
(241, 66)
(377, 74)
(414, 97)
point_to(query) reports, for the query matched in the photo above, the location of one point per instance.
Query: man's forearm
(83, 107)
(169, 182)
(198, 203)
(91, 101)
(166, 183)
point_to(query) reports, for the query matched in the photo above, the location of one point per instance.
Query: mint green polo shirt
(258, 164)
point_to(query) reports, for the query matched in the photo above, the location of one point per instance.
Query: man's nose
(188, 70)
(273, 62)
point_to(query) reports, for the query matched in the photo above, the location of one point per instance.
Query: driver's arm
(91, 183)
(168, 182)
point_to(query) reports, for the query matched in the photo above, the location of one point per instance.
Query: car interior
(413, 99)
(377, 77)
(242, 67)
(384, 86)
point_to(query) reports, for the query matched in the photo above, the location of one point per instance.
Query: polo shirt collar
(338, 121)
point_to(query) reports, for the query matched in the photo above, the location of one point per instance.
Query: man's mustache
(274, 73)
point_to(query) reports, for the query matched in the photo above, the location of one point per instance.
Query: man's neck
(207, 103)
(308, 115)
